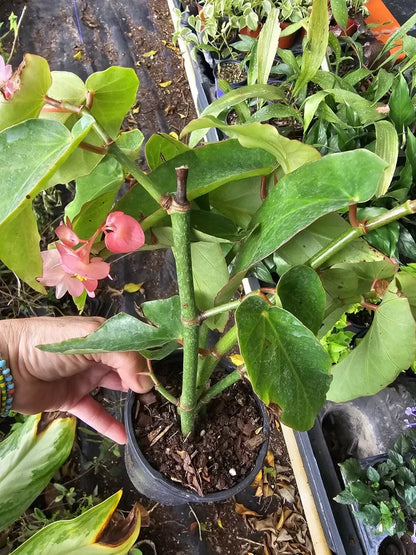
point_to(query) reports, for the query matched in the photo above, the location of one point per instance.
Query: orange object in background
(380, 14)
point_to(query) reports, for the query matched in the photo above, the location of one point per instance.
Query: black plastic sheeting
(103, 30)
(402, 11)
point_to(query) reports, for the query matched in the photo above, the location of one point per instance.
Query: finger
(131, 367)
(112, 381)
(93, 414)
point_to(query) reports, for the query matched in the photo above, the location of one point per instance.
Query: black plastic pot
(155, 486)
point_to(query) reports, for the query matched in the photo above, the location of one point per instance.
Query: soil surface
(224, 447)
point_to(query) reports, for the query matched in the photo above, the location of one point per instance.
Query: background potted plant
(383, 492)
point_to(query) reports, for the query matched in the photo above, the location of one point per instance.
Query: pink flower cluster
(70, 267)
(6, 84)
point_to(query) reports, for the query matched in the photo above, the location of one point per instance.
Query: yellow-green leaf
(387, 147)
(29, 457)
(132, 287)
(91, 533)
(314, 49)
(388, 348)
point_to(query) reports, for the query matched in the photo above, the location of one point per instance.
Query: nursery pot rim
(135, 456)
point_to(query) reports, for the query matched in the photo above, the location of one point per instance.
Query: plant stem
(225, 343)
(135, 171)
(180, 215)
(159, 387)
(111, 147)
(218, 388)
(16, 35)
(218, 310)
(336, 245)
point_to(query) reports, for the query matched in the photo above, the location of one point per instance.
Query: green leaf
(405, 476)
(314, 49)
(94, 531)
(362, 493)
(407, 285)
(370, 515)
(402, 111)
(386, 518)
(160, 353)
(345, 497)
(286, 364)
(161, 147)
(210, 274)
(351, 470)
(402, 444)
(410, 496)
(411, 150)
(363, 109)
(80, 301)
(318, 235)
(114, 91)
(387, 147)
(372, 474)
(227, 101)
(212, 227)
(19, 247)
(27, 102)
(29, 457)
(345, 283)
(94, 197)
(311, 106)
(388, 348)
(67, 87)
(130, 142)
(271, 111)
(340, 12)
(306, 194)
(126, 333)
(267, 46)
(289, 153)
(211, 166)
(399, 34)
(301, 293)
(239, 200)
(381, 85)
(395, 458)
(40, 145)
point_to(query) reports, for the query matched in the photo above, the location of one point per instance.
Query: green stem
(409, 207)
(112, 148)
(180, 215)
(225, 343)
(218, 388)
(218, 310)
(144, 180)
(159, 387)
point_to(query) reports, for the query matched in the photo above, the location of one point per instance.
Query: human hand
(50, 381)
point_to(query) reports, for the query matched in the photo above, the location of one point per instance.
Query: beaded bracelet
(6, 389)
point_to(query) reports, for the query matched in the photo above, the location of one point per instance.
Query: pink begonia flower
(122, 233)
(55, 276)
(72, 269)
(95, 268)
(6, 85)
(66, 235)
